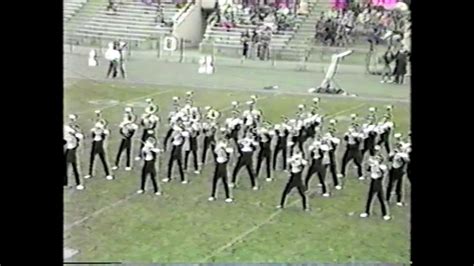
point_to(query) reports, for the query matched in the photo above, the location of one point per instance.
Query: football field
(109, 222)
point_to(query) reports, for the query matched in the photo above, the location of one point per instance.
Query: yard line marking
(126, 101)
(130, 196)
(295, 93)
(266, 221)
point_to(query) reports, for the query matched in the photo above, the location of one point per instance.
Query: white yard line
(273, 215)
(125, 102)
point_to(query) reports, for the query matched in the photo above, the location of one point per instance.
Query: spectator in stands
(111, 8)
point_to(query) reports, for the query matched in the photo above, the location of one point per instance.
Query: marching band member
(385, 129)
(353, 152)
(377, 171)
(209, 129)
(295, 135)
(173, 117)
(319, 164)
(399, 159)
(251, 117)
(333, 142)
(149, 122)
(72, 139)
(127, 130)
(233, 125)
(297, 164)
(246, 147)
(282, 132)
(149, 155)
(222, 153)
(99, 135)
(177, 141)
(191, 132)
(369, 133)
(264, 138)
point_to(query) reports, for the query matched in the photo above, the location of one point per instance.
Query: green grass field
(109, 222)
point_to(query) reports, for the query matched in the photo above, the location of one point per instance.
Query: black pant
(122, 68)
(356, 156)
(149, 169)
(220, 173)
(283, 149)
(385, 140)
(244, 160)
(399, 78)
(295, 181)
(264, 155)
(297, 141)
(71, 160)
(208, 142)
(376, 189)
(167, 137)
(98, 149)
(395, 176)
(332, 168)
(195, 159)
(369, 145)
(320, 170)
(176, 155)
(112, 69)
(409, 172)
(125, 144)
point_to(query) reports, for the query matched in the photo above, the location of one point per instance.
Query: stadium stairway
(220, 40)
(133, 22)
(299, 46)
(71, 7)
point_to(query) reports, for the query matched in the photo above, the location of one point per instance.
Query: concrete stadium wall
(190, 27)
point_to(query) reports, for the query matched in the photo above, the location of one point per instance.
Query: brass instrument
(151, 108)
(213, 114)
(99, 118)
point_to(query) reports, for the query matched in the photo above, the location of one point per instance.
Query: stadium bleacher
(132, 21)
(71, 7)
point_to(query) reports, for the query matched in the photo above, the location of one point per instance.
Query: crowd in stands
(270, 17)
(342, 27)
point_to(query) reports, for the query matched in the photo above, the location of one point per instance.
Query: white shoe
(140, 191)
(109, 177)
(184, 182)
(362, 178)
(400, 204)
(137, 158)
(158, 193)
(128, 168)
(387, 217)
(268, 180)
(87, 176)
(229, 200)
(382, 81)
(255, 188)
(364, 215)
(197, 172)
(79, 187)
(231, 185)
(211, 199)
(326, 195)
(338, 187)
(279, 207)
(340, 176)
(320, 185)
(166, 180)
(306, 210)
(114, 167)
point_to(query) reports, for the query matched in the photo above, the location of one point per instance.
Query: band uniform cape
(206, 65)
